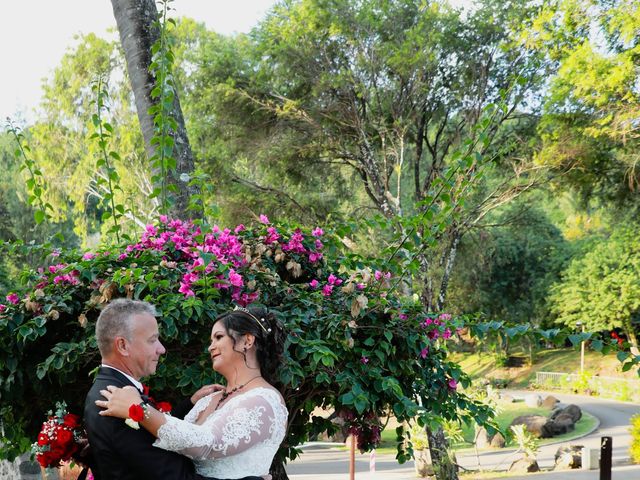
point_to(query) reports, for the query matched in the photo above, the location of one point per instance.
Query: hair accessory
(260, 321)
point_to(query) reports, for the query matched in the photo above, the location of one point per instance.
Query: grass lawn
(565, 360)
(506, 413)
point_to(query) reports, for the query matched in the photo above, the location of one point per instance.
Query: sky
(34, 35)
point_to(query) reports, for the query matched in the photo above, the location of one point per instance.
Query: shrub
(353, 344)
(634, 448)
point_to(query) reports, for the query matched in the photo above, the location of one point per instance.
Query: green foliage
(527, 443)
(353, 344)
(162, 65)
(107, 177)
(35, 181)
(601, 289)
(634, 448)
(589, 127)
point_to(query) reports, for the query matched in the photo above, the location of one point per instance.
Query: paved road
(333, 463)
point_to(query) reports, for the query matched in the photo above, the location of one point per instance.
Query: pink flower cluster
(225, 246)
(295, 243)
(332, 281)
(437, 327)
(13, 298)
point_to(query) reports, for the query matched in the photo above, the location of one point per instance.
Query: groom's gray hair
(115, 321)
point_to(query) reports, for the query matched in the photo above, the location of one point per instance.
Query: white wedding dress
(238, 440)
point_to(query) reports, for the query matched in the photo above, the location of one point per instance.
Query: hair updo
(268, 332)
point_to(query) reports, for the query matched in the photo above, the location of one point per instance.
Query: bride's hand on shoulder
(118, 401)
(204, 391)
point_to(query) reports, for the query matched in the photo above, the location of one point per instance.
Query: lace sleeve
(237, 426)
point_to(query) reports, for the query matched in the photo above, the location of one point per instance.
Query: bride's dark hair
(266, 329)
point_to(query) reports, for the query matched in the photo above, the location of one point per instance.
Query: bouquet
(60, 438)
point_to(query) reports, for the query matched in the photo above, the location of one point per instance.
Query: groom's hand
(204, 391)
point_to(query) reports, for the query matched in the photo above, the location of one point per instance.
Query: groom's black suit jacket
(120, 452)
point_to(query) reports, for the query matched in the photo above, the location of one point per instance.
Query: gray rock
(571, 410)
(550, 402)
(483, 440)
(524, 465)
(498, 441)
(534, 400)
(534, 423)
(568, 457)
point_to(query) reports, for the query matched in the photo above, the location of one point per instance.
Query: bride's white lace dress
(237, 440)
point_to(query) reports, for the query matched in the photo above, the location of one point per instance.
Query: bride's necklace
(225, 393)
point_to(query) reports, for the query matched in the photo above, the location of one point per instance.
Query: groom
(128, 340)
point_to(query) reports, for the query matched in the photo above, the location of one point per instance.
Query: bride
(235, 432)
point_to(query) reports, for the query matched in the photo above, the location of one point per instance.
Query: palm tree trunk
(135, 20)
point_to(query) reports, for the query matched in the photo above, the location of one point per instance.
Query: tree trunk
(135, 20)
(446, 275)
(444, 465)
(277, 470)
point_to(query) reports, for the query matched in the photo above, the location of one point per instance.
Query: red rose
(45, 459)
(72, 420)
(43, 439)
(164, 407)
(136, 413)
(64, 437)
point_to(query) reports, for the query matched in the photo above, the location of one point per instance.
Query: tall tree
(590, 127)
(139, 29)
(396, 91)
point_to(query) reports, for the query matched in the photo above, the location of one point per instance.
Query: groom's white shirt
(135, 382)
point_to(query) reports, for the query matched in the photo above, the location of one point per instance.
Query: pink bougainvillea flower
(235, 278)
(403, 316)
(314, 257)
(88, 256)
(317, 232)
(122, 256)
(13, 298)
(446, 334)
(364, 360)
(360, 286)
(163, 219)
(2, 307)
(185, 289)
(313, 283)
(452, 384)
(264, 219)
(377, 274)
(424, 352)
(239, 228)
(326, 290)
(272, 235)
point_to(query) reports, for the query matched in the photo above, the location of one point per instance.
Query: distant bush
(634, 449)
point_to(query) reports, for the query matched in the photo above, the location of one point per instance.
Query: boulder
(524, 465)
(498, 441)
(571, 410)
(534, 423)
(534, 400)
(568, 457)
(483, 439)
(550, 402)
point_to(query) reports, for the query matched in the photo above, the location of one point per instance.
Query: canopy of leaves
(601, 290)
